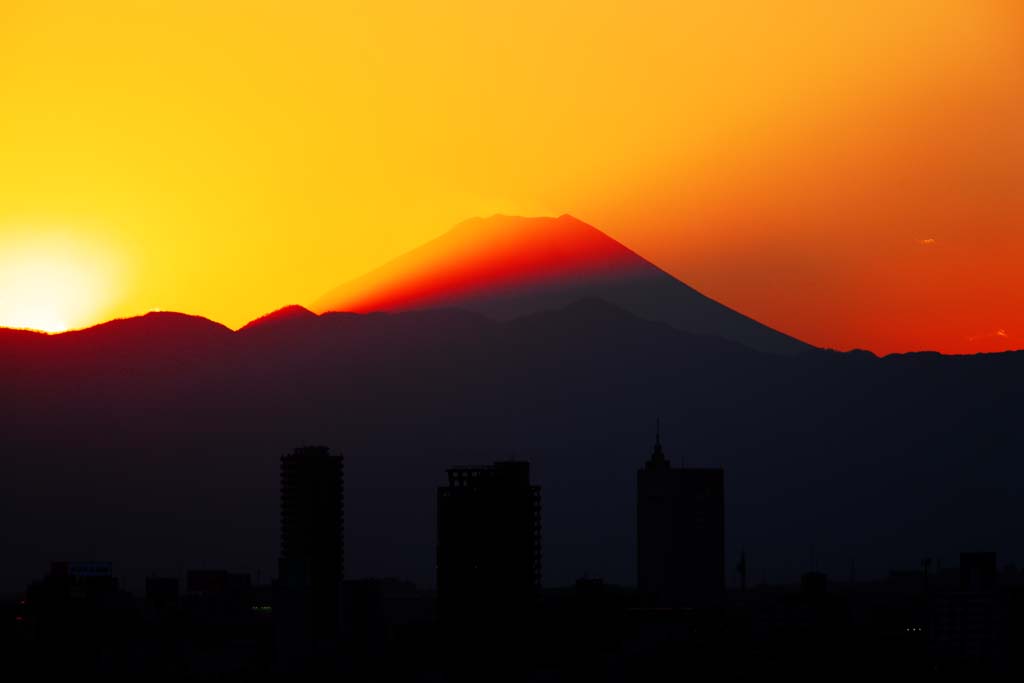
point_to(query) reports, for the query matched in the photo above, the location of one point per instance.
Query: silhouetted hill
(593, 318)
(155, 441)
(508, 266)
(19, 341)
(281, 315)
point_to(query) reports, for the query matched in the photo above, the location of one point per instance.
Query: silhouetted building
(217, 596)
(814, 583)
(161, 592)
(680, 533)
(978, 572)
(374, 613)
(210, 582)
(78, 617)
(488, 540)
(970, 625)
(311, 565)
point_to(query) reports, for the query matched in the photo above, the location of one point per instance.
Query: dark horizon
(291, 312)
(145, 406)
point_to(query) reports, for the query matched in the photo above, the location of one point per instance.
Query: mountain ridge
(507, 266)
(152, 322)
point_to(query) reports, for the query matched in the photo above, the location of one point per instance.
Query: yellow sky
(224, 158)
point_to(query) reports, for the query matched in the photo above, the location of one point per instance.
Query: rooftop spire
(657, 454)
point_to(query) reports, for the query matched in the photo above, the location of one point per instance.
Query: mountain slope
(507, 266)
(281, 315)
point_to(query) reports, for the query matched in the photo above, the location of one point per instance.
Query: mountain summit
(507, 266)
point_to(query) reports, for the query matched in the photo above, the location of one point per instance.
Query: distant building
(978, 572)
(86, 594)
(218, 597)
(206, 582)
(161, 592)
(970, 625)
(71, 623)
(488, 540)
(376, 610)
(680, 533)
(312, 562)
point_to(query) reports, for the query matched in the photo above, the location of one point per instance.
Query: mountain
(155, 442)
(507, 266)
(281, 315)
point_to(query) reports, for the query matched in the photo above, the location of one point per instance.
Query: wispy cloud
(1000, 333)
(928, 242)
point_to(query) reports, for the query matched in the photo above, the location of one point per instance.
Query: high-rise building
(680, 533)
(488, 539)
(312, 561)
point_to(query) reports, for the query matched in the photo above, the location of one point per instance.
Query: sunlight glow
(791, 160)
(51, 284)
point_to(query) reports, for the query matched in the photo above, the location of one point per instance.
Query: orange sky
(853, 176)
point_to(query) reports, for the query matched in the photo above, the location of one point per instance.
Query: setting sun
(51, 284)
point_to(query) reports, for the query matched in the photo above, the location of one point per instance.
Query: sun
(50, 285)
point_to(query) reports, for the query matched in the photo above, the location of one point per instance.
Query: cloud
(1000, 333)
(929, 242)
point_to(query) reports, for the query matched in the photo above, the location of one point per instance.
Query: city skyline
(334, 337)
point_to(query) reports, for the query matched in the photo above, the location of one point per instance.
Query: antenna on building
(657, 455)
(741, 569)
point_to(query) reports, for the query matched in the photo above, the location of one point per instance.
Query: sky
(851, 174)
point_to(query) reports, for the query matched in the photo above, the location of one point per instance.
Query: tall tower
(680, 533)
(488, 540)
(312, 562)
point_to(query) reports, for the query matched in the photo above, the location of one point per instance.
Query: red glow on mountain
(509, 266)
(486, 257)
(281, 315)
